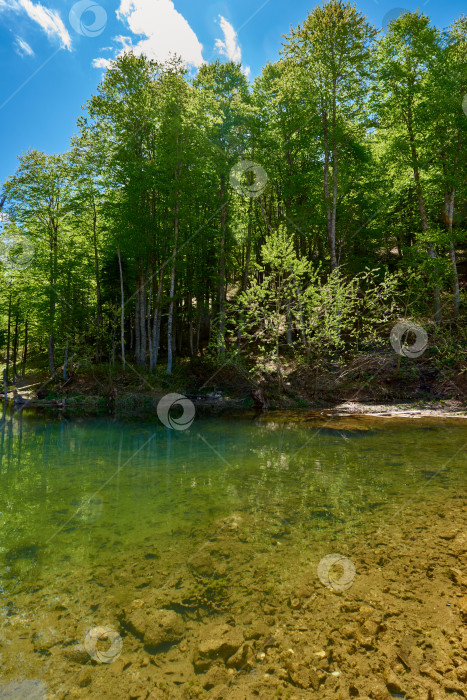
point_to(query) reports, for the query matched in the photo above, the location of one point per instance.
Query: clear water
(100, 509)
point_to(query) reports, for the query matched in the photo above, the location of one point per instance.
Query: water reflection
(75, 491)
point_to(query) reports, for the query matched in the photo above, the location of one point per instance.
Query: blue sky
(53, 52)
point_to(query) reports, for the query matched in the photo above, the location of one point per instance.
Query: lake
(282, 555)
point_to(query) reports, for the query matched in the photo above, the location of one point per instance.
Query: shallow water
(97, 512)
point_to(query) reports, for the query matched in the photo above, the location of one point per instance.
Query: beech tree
(147, 252)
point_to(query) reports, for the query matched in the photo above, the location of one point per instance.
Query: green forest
(276, 227)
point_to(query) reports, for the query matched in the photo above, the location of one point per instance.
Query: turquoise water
(78, 492)
(98, 510)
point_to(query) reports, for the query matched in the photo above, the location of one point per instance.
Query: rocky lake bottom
(241, 561)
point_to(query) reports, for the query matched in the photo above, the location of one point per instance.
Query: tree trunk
(221, 332)
(198, 325)
(5, 393)
(142, 311)
(25, 349)
(149, 317)
(422, 209)
(65, 360)
(171, 297)
(15, 348)
(289, 328)
(53, 257)
(335, 174)
(246, 268)
(122, 317)
(156, 329)
(449, 198)
(98, 284)
(51, 354)
(137, 329)
(190, 323)
(8, 338)
(327, 197)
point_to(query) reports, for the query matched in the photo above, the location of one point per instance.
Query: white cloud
(23, 48)
(229, 47)
(163, 29)
(49, 20)
(101, 63)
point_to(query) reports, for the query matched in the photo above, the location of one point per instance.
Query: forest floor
(369, 384)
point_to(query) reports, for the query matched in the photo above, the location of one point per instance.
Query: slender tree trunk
(221, 333)
(170, 318)
(25, 349)
(198, 324)
(422, 209)
(171, 297)
(149, 318)
(157, 319)
(174, 258)
(113, 347)
(246, 268)
(5, 395)
(15, 348)
(53, 280)
(335, 175)
(327, 196)
(51, 354)
(122, 316)
(65, 360)
(179, 328)
(137, 328)
(449, 198)
(8, 338)
(142, 311)
(98, 284)
(289, 328)
(190, 323)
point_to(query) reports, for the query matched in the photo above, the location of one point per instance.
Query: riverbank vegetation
(278, 230)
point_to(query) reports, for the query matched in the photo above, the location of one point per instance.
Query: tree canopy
(297, 215)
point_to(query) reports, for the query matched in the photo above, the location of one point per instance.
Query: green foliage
(142, 246)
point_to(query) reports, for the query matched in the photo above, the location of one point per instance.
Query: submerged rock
(463, 607)
(23, 690)
(76, 653)
(204, 565)
(216, 641)
(156, 627)
(303, 677)
(217, 675)
(44, 640)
